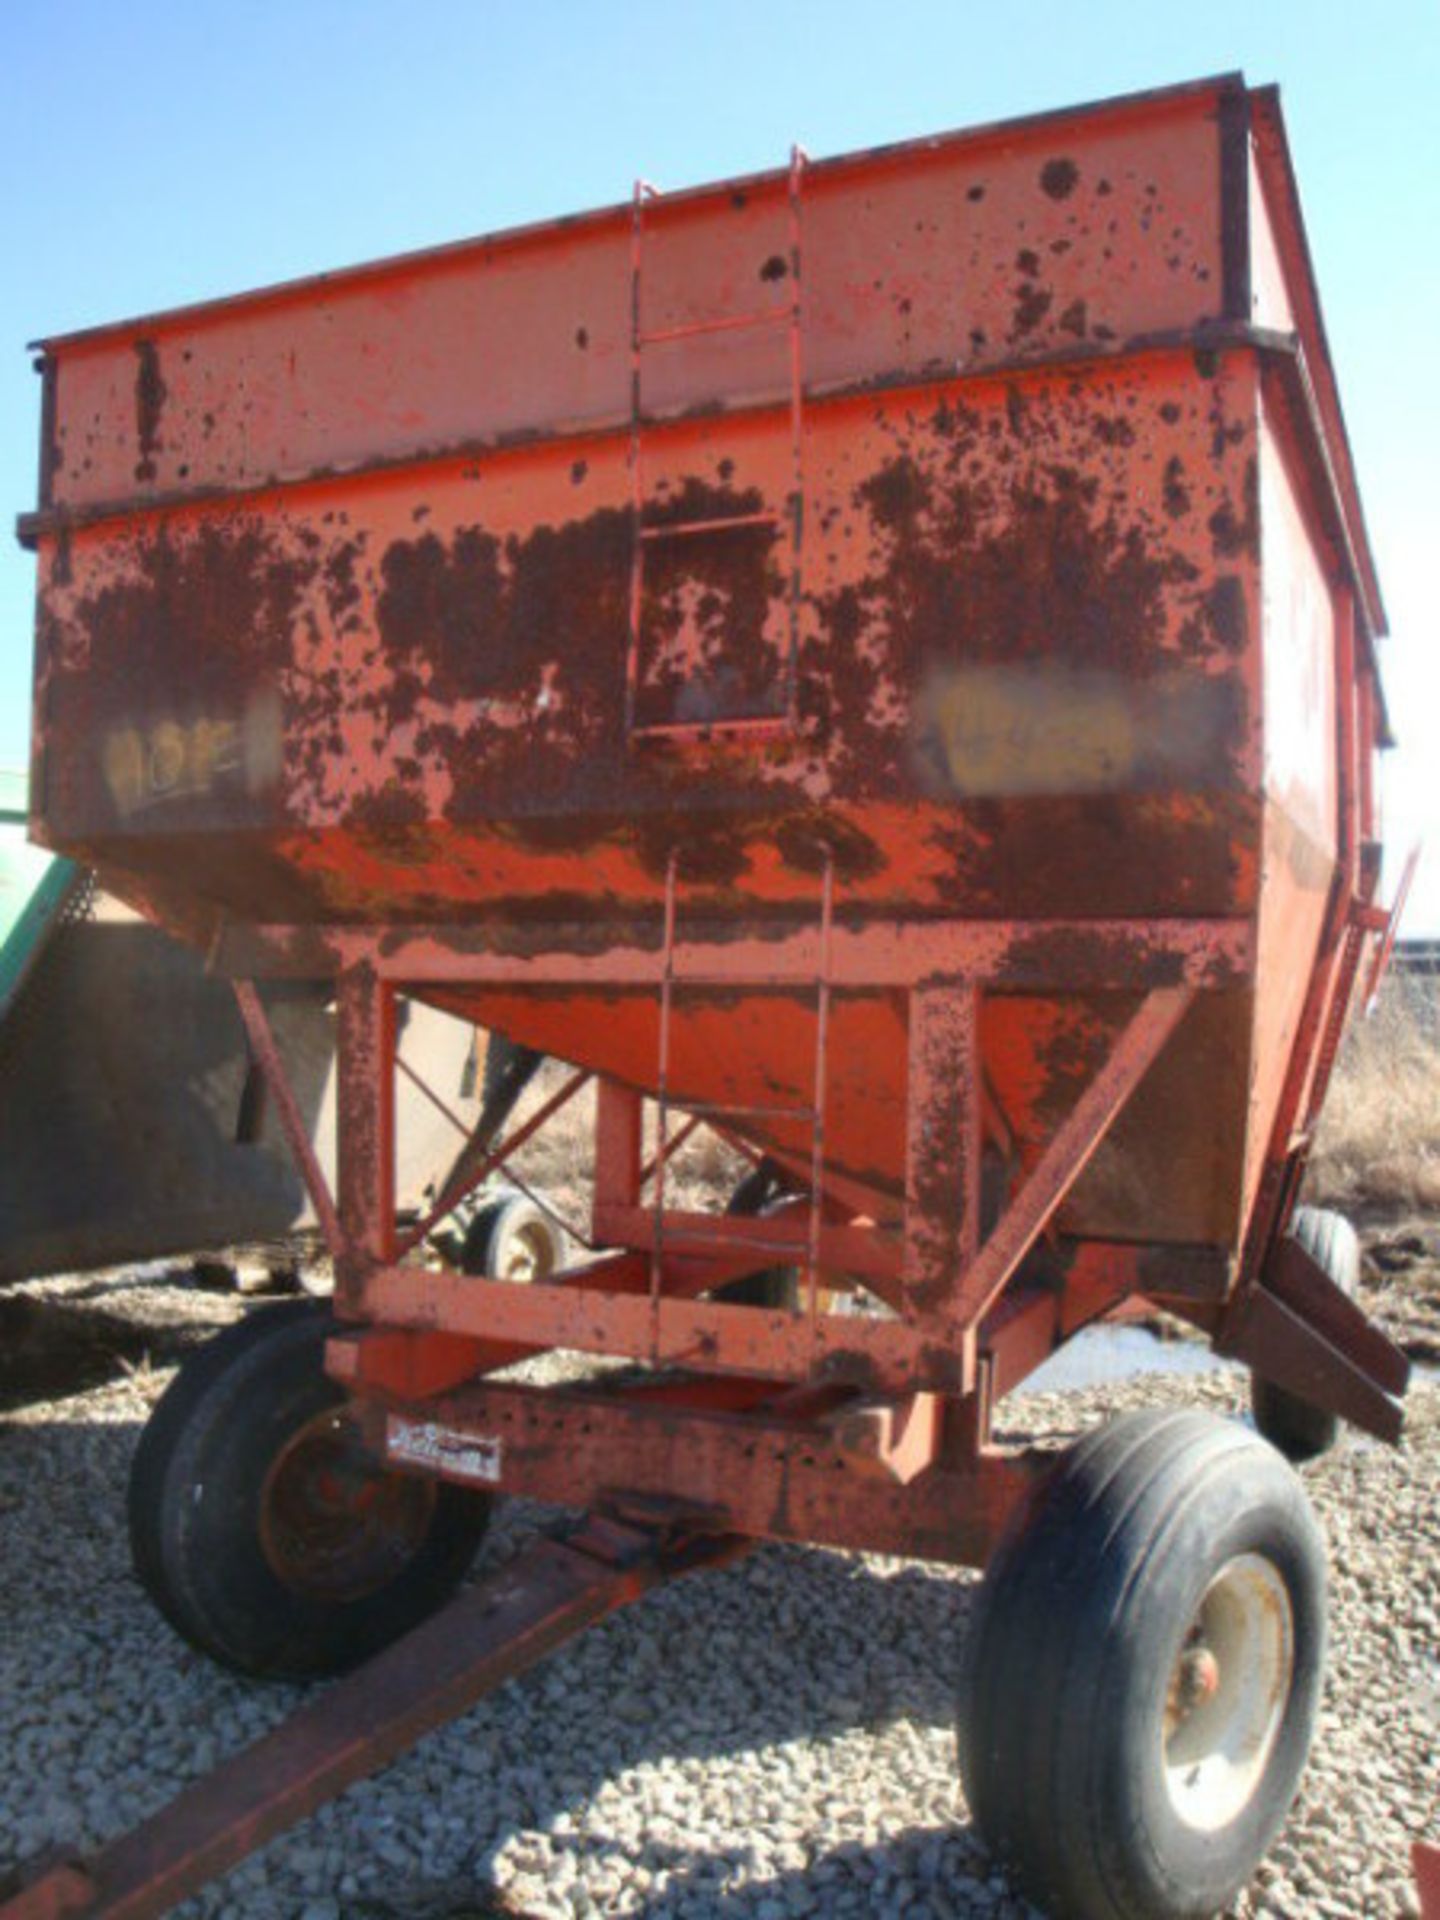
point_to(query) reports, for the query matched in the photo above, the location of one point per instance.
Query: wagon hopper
(875, 659)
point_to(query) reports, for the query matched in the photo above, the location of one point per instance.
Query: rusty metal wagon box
(876, 659)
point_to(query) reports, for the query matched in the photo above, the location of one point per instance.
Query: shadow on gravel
(798, 1648)
(915, 1874)
(52, 1348)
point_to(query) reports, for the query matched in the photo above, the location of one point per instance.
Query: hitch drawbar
(487, 1635)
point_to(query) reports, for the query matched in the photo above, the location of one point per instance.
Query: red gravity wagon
(876, 660)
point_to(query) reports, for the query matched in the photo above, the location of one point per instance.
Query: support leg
(365, 1126)
(617, 1150)
(942, 1152)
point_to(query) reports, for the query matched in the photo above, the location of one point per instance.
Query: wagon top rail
(1262, 277)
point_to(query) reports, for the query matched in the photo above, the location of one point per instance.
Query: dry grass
(701, 1174)
(1378, 1143)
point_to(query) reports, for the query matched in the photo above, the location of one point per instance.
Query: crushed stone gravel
(773, 1740)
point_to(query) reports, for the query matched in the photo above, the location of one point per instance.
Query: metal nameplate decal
(444, 1450)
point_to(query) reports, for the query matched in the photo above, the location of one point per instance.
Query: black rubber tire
(498, 1221)
(1301, 1430)
(1080, 1621)
(194, 1509)
(777, 1287)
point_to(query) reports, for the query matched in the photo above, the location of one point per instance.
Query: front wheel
(261, 1525)
(1141, 1681)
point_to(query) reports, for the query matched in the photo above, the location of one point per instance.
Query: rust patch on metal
(1032, 303)
(525, 628)
(1239, 534)
(1227, 615)
(851, 1365)
(150, 393)
(452, 692)
(1176, 494)
(488, 628)
(984, 562)
(712, 619)
(179, 719)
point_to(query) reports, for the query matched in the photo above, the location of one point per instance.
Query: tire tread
(1046, 1650)
(201, 1570)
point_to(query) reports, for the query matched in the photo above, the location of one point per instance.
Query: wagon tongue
(489, 1634)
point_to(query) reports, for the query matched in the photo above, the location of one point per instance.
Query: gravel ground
(1400, 1279)
(773, 1740)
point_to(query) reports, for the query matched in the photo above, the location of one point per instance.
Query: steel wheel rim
(336, 1524)
(527, 1256)
(1230, 1681)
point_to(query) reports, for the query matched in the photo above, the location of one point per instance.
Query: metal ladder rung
(787, 313)
(770, 722)
(721, 323)
(681, 1238)
(719, 1110)
(680, 529)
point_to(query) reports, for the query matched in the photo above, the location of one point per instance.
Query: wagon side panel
(1302, 664)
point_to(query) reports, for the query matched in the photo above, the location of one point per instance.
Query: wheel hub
(527, 1256)
(1229, 1685)
(334, 1522)
(1196, 1680)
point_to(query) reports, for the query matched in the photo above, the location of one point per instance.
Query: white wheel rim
(1229, 1684)
(527, 1255)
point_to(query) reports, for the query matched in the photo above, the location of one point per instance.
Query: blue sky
(157, 153)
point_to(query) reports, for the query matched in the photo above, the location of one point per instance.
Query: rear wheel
(265, 1530)
(1301, 1430)
(1142, 1677)
(510, 1238)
